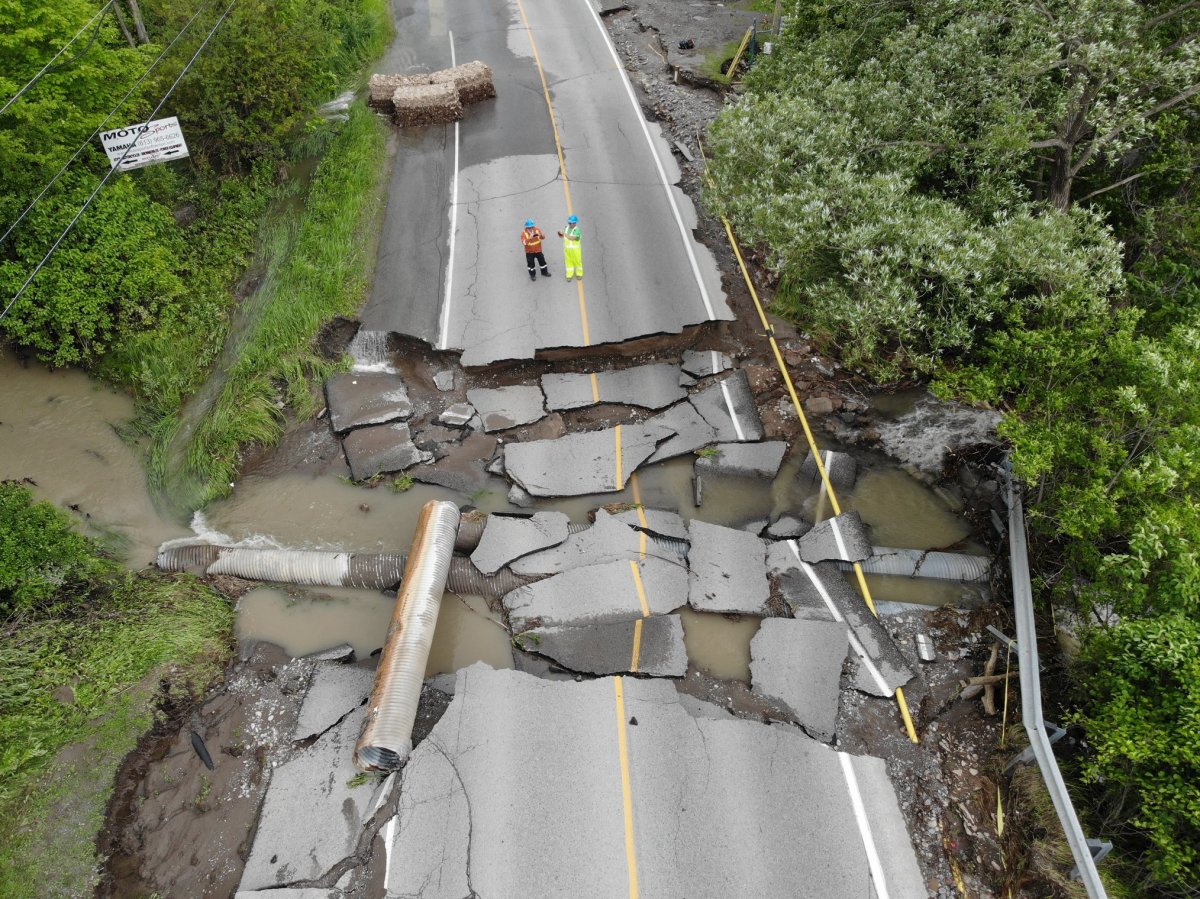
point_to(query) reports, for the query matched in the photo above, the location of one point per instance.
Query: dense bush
(43, 561)
(1142, 724)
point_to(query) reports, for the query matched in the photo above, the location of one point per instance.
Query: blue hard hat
(573, 220)
(528, 223)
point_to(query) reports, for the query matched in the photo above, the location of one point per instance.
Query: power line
(100, 127)
(46, 68)
(117, 165)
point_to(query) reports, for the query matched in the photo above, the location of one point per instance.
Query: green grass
(134, 631)
(318, 259)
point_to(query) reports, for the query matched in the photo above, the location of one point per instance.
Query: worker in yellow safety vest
(572, 247)
(531, 240)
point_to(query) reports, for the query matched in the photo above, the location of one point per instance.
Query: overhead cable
(117, 165)
(100, 127)
(48, 66)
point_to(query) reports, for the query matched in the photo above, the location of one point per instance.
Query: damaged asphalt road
(573, 782)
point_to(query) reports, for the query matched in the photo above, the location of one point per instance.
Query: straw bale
(381, 88)
(473, 80)
(426, 104)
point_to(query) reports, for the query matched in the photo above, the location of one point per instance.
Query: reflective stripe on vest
(532, 240)
(572, 236)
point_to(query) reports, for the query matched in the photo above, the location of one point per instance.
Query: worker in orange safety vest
(572, 247)
(531, 240)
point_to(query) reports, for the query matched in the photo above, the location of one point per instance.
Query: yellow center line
(808, 434)
(626, 788)
(637, 646)
(595, 380)
(641, 588)
(620, 473)
(562, 168)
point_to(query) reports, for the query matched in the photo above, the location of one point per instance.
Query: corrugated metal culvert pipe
(926, 563)
(386, 739)
(368, 571)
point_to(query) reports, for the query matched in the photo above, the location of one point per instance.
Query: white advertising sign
(151, 142)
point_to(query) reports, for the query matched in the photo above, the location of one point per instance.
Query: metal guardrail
(1031, 698)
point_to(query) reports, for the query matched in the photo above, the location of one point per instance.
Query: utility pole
(778, 16)
(138, 23)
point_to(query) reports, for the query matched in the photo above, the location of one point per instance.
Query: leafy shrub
(43, 561)
(1143, 679)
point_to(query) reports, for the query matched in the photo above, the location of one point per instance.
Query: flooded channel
(59, 429)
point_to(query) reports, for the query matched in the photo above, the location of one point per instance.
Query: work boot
(545, 273)
(532, 276)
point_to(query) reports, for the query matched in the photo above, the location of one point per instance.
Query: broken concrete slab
(311, 786)
(691, 432)
(729, 407)
(843, 537)
(589, 462)
(445, 381)
(658, 522)
(507, 407)
(728, 570)
(745, 460)
(799, 663)
(788, 526)
(457, 415)
(357, 399)
(700, 363)
(840, 467)
(293, 893)
(608, 648)
(381, 448)
(334, 691)
(513, 748)
(506, 538)
(606, 540)
(463, 467)
(648, 386)
(597, 594)
(520, 497)
(881, 666)
(342, 653)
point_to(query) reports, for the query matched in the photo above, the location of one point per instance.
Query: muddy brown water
(59, 429)
(304, 621)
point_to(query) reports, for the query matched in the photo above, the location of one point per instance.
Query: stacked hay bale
(427, 104)
(381, 89)
(472, 79)
(431, 99)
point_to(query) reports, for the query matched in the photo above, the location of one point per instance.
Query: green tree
(1145, 733)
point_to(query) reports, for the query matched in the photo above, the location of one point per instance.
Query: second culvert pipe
(386, 739)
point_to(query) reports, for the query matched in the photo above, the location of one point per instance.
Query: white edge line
(864, 826)
(837, 536)
(683, 231)
(737, 425)
(855, 643)
(389, 835)
(443, 331)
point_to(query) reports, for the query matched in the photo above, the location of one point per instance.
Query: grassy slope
(315, 270)
(52, 799)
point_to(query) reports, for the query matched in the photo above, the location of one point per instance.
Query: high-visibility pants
(574, 260)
